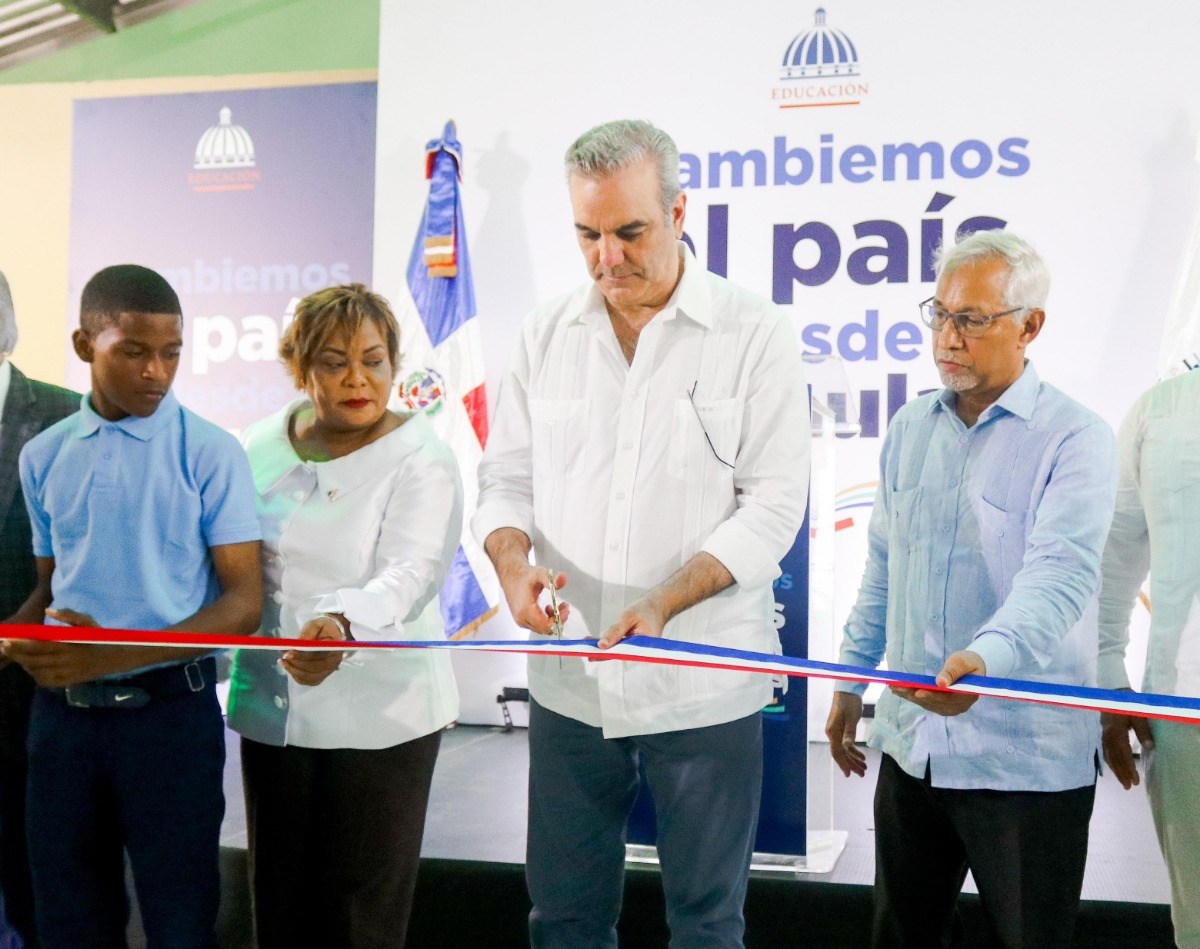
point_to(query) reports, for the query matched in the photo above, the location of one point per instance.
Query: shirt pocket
(560, 429)
(1171, 453)
(704, 434)
(903, 505)
(1171, 480)
(1002, 541)
(180, 523)
(66, 533)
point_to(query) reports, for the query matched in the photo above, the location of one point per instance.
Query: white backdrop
(1074, 122)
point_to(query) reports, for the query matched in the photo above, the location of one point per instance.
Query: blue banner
(245, 201)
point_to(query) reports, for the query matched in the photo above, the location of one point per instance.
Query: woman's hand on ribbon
(312, 667)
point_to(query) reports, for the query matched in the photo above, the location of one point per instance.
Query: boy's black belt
(140, 690)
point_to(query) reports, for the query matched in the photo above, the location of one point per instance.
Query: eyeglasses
(692, 399)
(967, 325)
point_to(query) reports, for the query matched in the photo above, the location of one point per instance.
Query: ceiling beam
(98, 11)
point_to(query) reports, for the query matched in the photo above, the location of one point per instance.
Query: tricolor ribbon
(1176, 708)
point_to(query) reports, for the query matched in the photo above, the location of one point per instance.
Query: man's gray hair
(1028, 278)
(606, 148)
(8, 319)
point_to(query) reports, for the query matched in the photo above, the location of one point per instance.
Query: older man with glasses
(26, 408)
(995, 496)
(650, 443)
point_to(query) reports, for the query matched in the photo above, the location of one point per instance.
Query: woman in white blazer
(361, 512)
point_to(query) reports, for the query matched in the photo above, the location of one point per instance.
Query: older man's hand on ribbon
(959, 664)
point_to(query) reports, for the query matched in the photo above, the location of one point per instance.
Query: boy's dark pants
(16, 696)
(147, 780)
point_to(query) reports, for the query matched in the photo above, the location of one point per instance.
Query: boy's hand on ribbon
(59, 665)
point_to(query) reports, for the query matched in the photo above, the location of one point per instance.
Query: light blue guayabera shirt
(129, 510)
(988, 538)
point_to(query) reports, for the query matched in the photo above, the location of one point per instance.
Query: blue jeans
(706, 784)
(146, 780)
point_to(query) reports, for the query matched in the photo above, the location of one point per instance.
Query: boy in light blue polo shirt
(143, 517)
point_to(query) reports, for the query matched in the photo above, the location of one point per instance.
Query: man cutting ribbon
(650, 442)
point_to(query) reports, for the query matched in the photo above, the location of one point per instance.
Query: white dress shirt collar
(5, 382)
(691, 298)
(338, 476)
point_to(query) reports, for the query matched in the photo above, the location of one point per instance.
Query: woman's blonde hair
(319, 315)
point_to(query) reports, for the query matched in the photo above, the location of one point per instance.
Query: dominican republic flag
(442, 370)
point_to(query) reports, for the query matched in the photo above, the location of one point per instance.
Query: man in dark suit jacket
(28, 408)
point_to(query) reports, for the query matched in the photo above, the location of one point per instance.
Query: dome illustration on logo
(820, 53)
(224, 145)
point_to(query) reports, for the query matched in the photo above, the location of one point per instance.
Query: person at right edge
(1155, 528)
(995, 496)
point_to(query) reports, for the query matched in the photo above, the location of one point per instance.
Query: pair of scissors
(556, 626)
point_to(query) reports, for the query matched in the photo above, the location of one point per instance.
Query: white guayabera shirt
(1157, 529)
(369, 535)
(608, 468)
